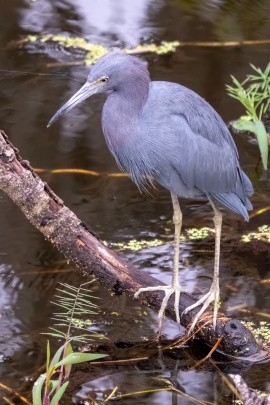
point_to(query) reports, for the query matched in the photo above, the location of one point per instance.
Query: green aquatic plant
(136, 245)
(199, 233)
(95, 51)
(75, 304)
(263, 233)
(261, 332)
(254, 94)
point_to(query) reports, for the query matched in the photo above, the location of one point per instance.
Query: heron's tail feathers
(233, 202)
(237, 201)
(248, 188)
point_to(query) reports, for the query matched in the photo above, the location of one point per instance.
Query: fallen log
(47, 212)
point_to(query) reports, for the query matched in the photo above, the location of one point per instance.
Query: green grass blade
(58, 395)
(53, 385)
(75, 358)
(266, 106)
(68, 366)
(57, 356)
(54, 335)
(37, 389)
(48, 357)
(262, 137)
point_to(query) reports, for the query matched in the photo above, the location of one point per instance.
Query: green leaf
(57, 356)
(48, 355)
(73, 295)
(236, 82)
(258, 70)
(58, 395)
(68, 366)
(258, 128)
(53, 334)
(58, 332)
(37, 388)
(75, 358)
(266, 105)
(262, 137)
(54, 384)
(244, 123)
(253, 92)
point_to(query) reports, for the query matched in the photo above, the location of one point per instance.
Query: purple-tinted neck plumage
(129, 94)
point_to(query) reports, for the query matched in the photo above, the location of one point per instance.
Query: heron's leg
(213, 293)
(215, 285)
(177, 220)
(175, 287)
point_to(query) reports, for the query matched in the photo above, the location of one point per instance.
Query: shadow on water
(30, 94)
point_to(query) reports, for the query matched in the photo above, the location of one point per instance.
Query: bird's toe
(205, 301)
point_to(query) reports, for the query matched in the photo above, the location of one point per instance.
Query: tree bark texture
(78, 243)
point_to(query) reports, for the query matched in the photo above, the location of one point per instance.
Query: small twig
(152, 391)
(210, 353)
(111, 394)
(225, 43)
(119, 361)
(190, 397)
(198, 329)
(259, 212)
(23, 399)
(140, 393)
(255, 313)
(8, 401)
(79, 171)
(230, 385)
(92, 399)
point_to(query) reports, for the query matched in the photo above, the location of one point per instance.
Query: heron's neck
(121, 113)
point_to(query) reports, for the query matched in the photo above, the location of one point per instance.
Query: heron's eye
(104, 79)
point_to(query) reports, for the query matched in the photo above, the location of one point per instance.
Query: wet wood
(78, 243)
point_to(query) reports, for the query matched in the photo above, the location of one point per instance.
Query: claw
(211, 296)
(168, 291)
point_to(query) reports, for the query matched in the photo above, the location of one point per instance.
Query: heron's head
(112, 72)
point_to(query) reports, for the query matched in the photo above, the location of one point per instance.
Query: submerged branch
(47, 212)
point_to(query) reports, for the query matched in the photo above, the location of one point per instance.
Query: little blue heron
(164, 132)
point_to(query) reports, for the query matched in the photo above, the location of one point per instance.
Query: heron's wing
(193, 166)
(179, 101)
(206, 162)
(197, 150)
(188, 140)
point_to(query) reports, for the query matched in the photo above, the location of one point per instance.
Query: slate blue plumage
(164, 132)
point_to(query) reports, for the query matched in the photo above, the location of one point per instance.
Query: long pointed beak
(87, 90)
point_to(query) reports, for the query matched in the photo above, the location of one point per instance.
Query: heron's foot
(168, 291)
(211, 296)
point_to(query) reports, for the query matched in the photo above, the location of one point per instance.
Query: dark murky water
(31, 93)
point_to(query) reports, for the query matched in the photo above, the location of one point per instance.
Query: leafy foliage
(254, 94)
(76, 311)
(74, 302)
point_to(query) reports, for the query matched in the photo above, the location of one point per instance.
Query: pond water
(31, 92)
